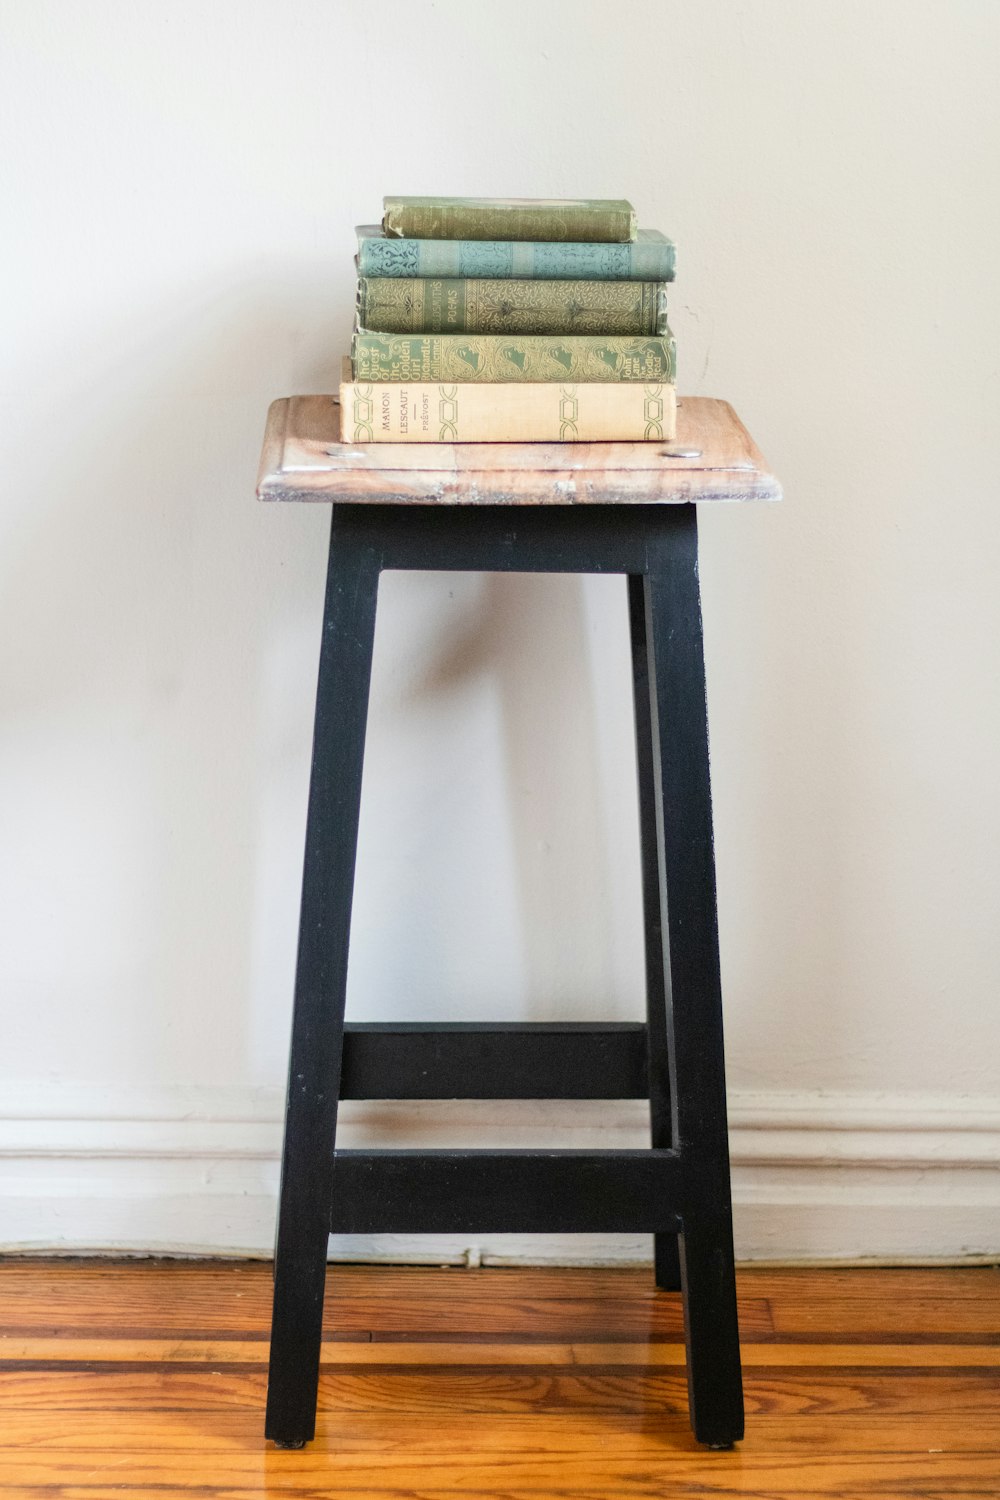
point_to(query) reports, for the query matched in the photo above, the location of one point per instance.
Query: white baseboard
(194, 1171)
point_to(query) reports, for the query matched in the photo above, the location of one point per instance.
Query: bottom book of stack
(487, 412)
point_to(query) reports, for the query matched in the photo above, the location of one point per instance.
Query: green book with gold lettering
(398, 304)
(512, 357)
(609, 220)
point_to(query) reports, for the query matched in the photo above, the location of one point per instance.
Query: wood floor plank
(394, 1437)
(123, 1350)
(811, 1285)
(342, 1352)
(651, 1316)
(201, 1277)
(236, 1295)
(222, 1302)
(446, 1390)
(895, 1317)
(235, 1298)
(964, 1479)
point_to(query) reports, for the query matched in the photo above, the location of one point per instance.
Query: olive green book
(604, 220)
(397, 304)
(471, 412)
(512, 357)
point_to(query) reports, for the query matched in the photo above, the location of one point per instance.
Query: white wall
(181, 183)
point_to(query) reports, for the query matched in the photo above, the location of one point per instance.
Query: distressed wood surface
(303, 459)
(143, 1379)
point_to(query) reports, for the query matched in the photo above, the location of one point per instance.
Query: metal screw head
(680, 452)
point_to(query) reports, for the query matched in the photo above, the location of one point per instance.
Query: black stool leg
(694, 998)
(666, 1252)
(321, 977)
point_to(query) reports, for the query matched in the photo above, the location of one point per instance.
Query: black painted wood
(693, 990)
(666, 1251)
(682, 1182)
(320, 984)
(500, 539)
(494, 1060)
(492, 1192)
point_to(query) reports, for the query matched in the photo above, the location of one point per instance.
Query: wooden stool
(529, 507)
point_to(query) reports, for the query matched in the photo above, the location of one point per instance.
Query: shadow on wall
(526, 633)
(136, 602)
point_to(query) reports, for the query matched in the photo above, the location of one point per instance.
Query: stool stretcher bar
(492, 1192)
(495, 1060)
(502, 1191)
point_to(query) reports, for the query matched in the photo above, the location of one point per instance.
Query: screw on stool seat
(528, 507)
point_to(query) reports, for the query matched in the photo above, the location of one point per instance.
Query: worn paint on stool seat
(304, 459)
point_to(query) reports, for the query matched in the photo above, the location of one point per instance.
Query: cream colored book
(521, 412)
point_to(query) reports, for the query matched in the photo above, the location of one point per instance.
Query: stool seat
(304, 459)
(517, 507)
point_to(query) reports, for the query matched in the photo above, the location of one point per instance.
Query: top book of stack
(609, 221)
(527, 239)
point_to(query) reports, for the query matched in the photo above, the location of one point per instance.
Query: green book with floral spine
(651, 256)
(511, 357)
(398, 304)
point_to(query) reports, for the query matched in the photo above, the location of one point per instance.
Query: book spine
(512, 357)
(463, 412)
(644, 260)
(396, 304)
(511, 219)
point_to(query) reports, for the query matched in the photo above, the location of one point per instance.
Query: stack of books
(510, 320)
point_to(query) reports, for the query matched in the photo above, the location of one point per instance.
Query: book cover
(511, 357)
(398, 304)
(464, 412)
(585, 219)
(650, 257)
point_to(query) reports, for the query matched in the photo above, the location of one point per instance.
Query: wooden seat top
(712, 458)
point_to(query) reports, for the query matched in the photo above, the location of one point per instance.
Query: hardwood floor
(147, 1379)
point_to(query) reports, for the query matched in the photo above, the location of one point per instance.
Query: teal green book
(401, 304)
(511, 357)
(650, 257)
(586, 219)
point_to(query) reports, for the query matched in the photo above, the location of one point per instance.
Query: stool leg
(694, 997)
(666, 1253)
(320, 983)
